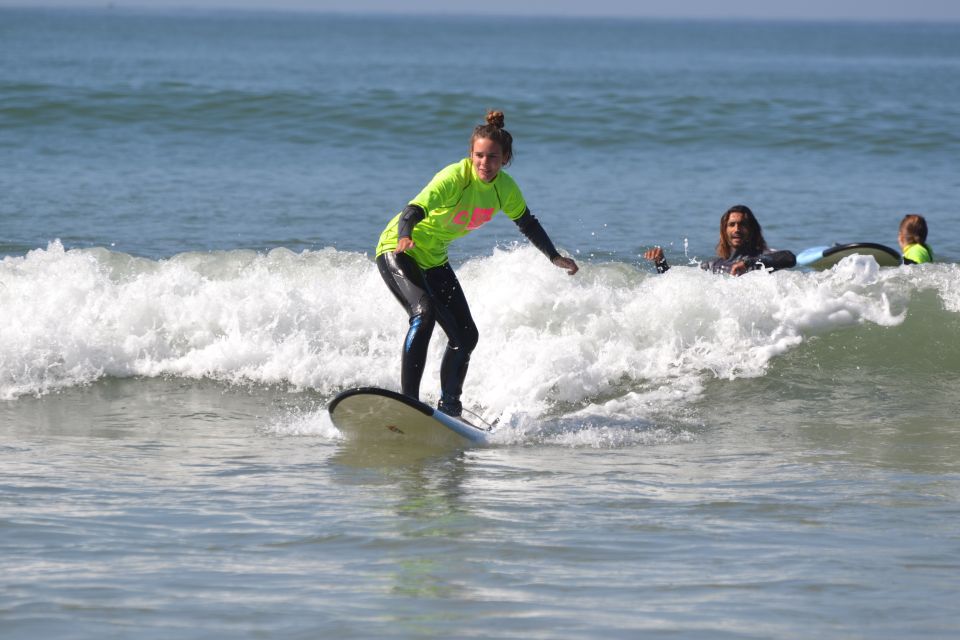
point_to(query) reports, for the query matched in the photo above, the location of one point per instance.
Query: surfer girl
(913, 240)
(741, 247)
(412, 254)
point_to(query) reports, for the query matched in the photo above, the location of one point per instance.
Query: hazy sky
(926, 10)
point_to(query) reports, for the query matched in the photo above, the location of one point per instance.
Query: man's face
(738, 230)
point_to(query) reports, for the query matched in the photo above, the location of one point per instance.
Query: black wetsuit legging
(431, 296)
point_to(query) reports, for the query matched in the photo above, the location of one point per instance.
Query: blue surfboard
(371, 414)
(824, 257)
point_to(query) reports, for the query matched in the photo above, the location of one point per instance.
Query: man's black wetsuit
(769, 259)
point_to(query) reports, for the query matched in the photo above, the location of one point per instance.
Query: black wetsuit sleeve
(661, 265)
(778, 260)
(531, 228)
(771, 260)
(411, 215)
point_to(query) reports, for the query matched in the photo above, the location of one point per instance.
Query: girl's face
(487, 158)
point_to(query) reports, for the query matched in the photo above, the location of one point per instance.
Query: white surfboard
(822, 258)
(372, 414)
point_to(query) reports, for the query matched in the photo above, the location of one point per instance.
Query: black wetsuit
(432, 296)
(769, 259)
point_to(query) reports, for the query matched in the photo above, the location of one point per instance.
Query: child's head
(913, 230)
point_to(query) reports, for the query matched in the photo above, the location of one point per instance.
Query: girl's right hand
(403, 245)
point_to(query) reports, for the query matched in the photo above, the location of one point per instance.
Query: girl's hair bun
(495, 119)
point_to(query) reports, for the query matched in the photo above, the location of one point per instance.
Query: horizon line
(419, 13)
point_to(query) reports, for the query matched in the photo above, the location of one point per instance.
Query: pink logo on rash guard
(480, 217)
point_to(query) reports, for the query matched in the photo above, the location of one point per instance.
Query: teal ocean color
(189, 205)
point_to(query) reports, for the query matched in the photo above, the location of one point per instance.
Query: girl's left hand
(566, 263)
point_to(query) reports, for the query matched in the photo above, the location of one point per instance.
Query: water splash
(614, 341)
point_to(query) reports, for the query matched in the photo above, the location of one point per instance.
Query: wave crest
(615, 339)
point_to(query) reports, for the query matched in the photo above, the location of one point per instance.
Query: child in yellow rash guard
(913, 240)
(412, 255)
(457, 202)
(917, 254)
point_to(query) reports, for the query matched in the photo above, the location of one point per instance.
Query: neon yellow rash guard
(455, 202)
(918, 253)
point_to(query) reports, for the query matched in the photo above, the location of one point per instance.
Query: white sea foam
(304, 423)
(614, 341)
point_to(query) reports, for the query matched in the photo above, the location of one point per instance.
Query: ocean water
(190, 202)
